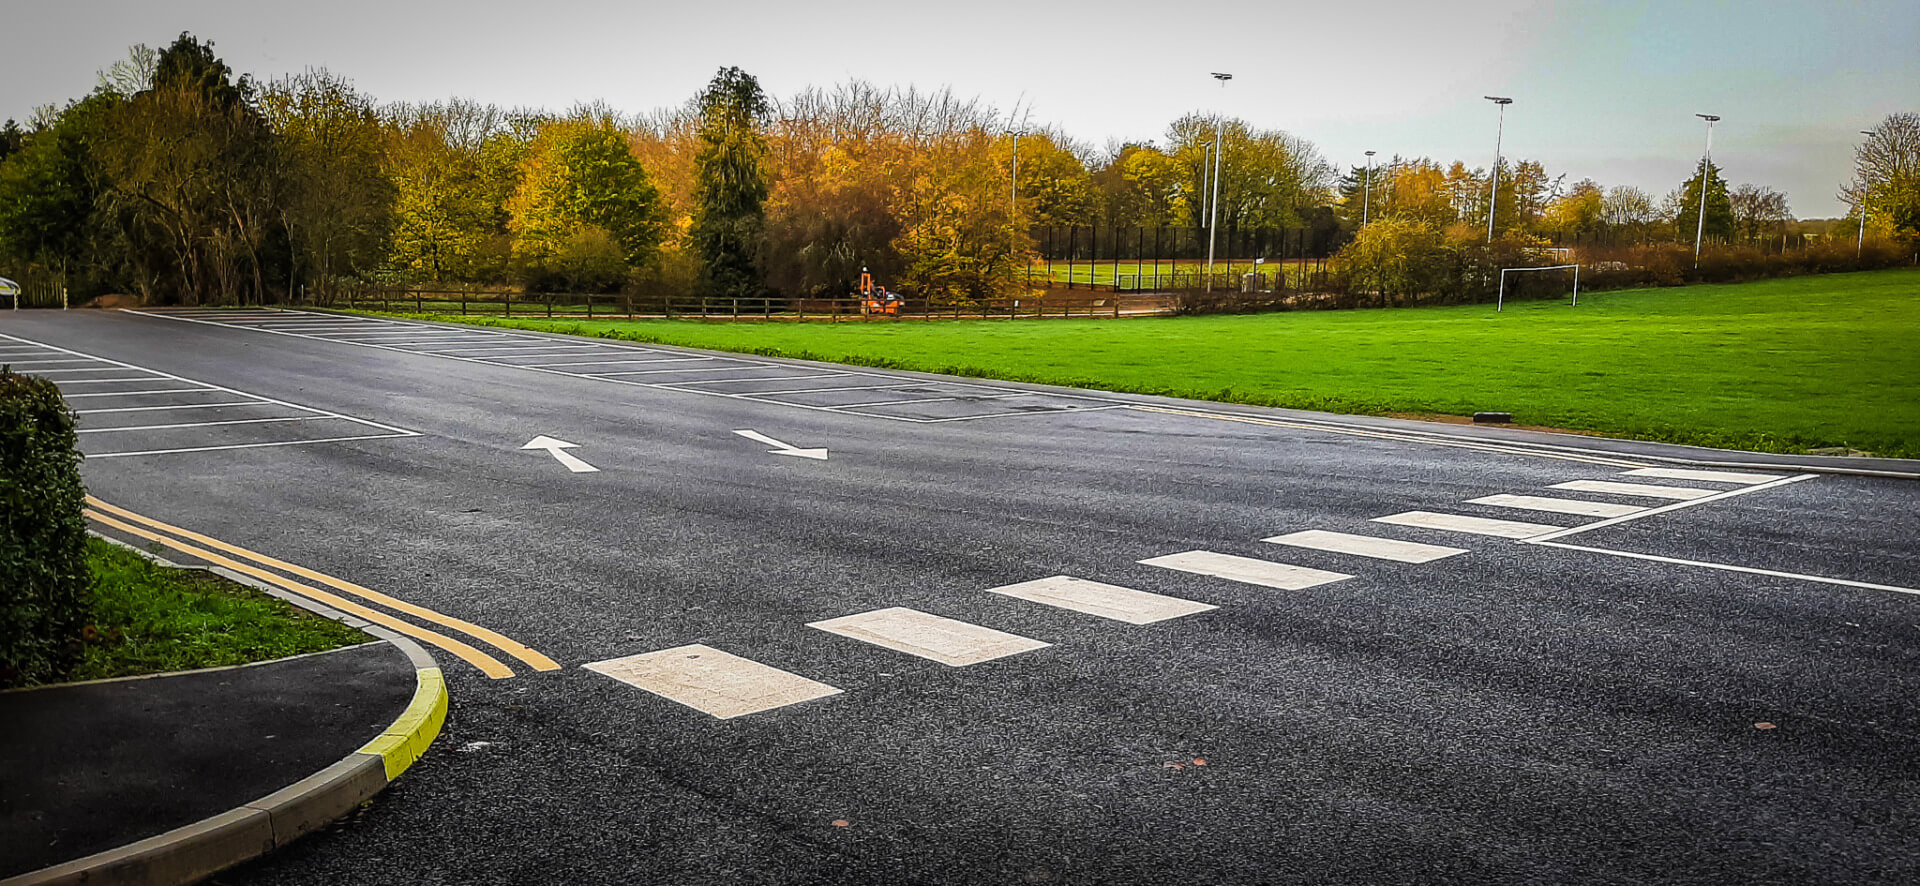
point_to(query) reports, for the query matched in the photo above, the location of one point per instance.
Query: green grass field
(1781, 365)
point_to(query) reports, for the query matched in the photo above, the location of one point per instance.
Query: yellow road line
(486, 663)
(514, 648)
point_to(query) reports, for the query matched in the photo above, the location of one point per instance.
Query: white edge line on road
(1728, 567)
(1399, 436)
(254, 445)
(238, 393)
(1666, 509)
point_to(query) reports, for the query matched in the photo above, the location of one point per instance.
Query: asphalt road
(1670, 699)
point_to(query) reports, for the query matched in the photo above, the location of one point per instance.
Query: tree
(338, 202)
(1887, 176)
(454, 167)
(1719, 206)
(11, 140)
(579, 173)
(731, 187)
(1757, 209)
(1578, 212)
(1628, 212)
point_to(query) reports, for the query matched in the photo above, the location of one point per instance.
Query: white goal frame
(1501, 303)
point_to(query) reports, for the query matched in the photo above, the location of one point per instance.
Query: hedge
(45, 586)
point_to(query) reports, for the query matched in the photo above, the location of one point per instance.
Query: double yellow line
(171, 536)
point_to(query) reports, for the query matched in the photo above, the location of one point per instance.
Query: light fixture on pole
(1860, 242)
(1013, 202)
(1213, 211)
(1706, 164)
(1366, 199)
(1493, 194)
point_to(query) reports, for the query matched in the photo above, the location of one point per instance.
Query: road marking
(157, 408)
(142, 393)
(102, 381)
(558, 449)
(1557, 505)
(1705, 476)
(1266, 573)
(785, 448)
(267, 445)
(945, 640)
(514, 648)
(1104, 600)
(711, 681)
(1365, 546)
(1647, 490)
(829, 390)
(1470, 525)
(1664, 509)
(603, 362)
(746, 368)
(1728, 567)
(486, 663)
(1408, 436)
(728, 381)
(205, 424)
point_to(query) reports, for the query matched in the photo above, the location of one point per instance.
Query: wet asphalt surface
(1514, 714)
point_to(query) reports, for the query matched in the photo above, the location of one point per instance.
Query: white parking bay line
(209, 424)
(1679, 493)
(1104, 600)
(1558, 505)
(945, 640)
(711, 681)
(1265, 573)
(1469, 525)
(1365, 546)
(1704, 476)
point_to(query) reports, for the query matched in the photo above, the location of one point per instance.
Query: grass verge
(150, 619)
(1784, 365)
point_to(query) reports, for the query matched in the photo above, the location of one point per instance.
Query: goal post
(1501, 302)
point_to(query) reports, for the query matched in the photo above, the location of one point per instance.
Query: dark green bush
(45, 587)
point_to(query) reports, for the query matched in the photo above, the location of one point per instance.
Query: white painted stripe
(723, 381)
(202, 390)
(1728, 567)
(1557, 505)
(102, 381)
(20, 363)
(1669, 508)
(268, 445)
(826, 390)
(208, 424)
(1365, 546)
(71, 371)
(1463, 523)
(1247, 569)
(745, 368)
(172, 406)
(607, 362)
(945, 640)
(1705, 476)
(1104, 600)
(711, 681)
(1647, 490)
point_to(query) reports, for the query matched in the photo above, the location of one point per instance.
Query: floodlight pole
(1367, 199)
(1706, 164)
(1860, 241)
(1013, 201)
(1493, 196)
(1213, 211)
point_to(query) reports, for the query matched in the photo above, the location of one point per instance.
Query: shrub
(44, 583)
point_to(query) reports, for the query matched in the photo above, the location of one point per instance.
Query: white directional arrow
(785, 449)
(558, 449)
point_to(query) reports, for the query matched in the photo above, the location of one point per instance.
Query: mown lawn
(1780, 365)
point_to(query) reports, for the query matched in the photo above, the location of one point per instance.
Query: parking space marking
(711, 681)
(1466, 524)
(160, 408)
(1366, 546)
(307, 413)
(1647, 490)
(945, 640)
(1704, 476)
(496, 349)
(1557, 505)
(1103, 600)
(1247, 570)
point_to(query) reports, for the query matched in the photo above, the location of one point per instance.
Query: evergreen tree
(730, 187)
(1719, 206)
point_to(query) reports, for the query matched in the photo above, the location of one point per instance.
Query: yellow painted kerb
(408, 737)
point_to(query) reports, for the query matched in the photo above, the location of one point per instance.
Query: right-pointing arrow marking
(785, 448)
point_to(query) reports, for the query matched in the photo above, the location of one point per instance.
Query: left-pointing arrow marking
(558, 449)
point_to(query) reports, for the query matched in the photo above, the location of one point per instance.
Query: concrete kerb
(199, 850)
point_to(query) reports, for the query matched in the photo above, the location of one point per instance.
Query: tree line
(182, 182)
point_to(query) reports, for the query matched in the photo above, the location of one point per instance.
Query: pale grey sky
(1605, 90)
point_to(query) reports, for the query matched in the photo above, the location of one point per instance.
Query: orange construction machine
(876, 299)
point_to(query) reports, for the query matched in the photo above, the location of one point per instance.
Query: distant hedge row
(44, 581)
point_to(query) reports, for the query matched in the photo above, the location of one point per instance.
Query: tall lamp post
(1493, 195)
(1013, 201)
(1860, 241)
(1706, 164)
(1366, 200)
(1213, 211)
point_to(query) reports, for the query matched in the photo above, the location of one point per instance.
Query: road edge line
(196, 851)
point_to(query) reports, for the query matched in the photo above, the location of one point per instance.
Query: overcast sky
(1605, 90)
